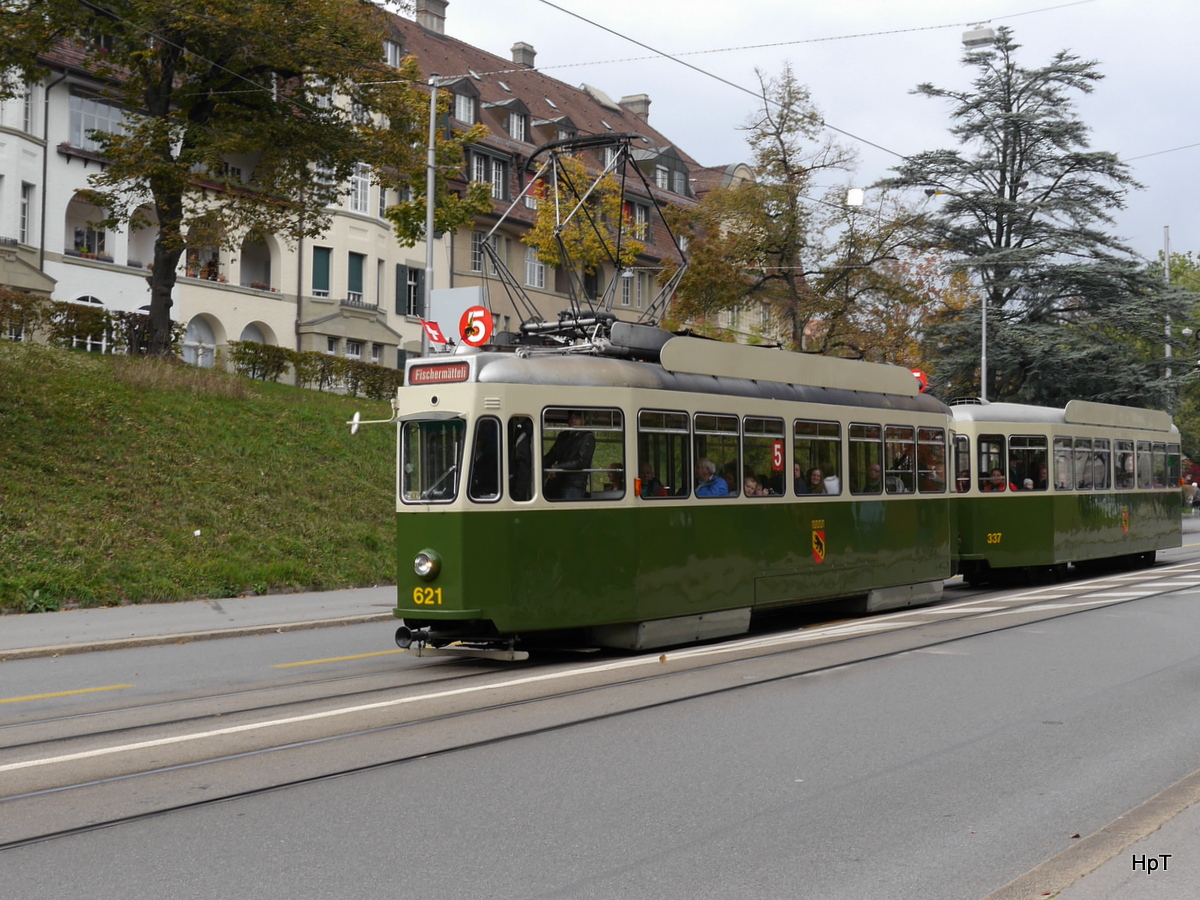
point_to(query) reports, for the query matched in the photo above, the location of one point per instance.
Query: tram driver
(567, 464)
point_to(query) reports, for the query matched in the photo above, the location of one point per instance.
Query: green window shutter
(320, 270)
(354, 277)
(401, 289)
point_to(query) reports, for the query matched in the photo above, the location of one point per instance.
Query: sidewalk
(110, 628)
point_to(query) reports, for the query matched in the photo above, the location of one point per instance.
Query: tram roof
(1077, 412)
(694, 365)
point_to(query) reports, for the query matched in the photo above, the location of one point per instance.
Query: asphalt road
(944, 771)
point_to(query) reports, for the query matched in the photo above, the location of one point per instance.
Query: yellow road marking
(317, 662)
(111, 687)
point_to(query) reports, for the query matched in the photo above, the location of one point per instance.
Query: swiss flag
(435, 333)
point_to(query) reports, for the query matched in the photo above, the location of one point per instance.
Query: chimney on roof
(638, 104)
(523, 54)
(431, 15)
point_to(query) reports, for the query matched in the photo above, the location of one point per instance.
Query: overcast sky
(861, 58)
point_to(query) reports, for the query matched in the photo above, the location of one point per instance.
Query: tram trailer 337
(583, 500)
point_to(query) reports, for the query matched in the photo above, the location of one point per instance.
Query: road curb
(1060, 872)
(158, 640)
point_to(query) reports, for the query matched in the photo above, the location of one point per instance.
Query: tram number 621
(992, 538)
(427, 596)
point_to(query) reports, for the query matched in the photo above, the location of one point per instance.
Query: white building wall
(226, 305)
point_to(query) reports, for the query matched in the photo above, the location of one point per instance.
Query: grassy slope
(109, 465)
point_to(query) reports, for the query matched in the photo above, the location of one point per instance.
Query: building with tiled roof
(353, 291)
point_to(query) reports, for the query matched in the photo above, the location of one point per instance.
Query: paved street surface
(1164, 864)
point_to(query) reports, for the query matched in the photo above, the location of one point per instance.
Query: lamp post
(981, 36)
(430, 186)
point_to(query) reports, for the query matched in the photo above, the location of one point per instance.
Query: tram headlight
(427, 565)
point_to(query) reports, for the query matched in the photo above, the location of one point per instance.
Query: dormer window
(393, 54)
(662, 177)
(518, 126)
(464, 108)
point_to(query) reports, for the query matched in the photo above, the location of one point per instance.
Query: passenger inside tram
(816, 482)
(708, 483)
(996, 482)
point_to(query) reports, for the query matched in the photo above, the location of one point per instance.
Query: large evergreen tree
(294, 90)
(1025, 210)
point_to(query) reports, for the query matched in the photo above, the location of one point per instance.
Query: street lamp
(430, 186)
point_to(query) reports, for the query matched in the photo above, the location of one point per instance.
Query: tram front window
(431, 460)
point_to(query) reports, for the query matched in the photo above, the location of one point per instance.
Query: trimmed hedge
(313, 369)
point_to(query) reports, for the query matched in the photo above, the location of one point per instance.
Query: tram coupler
(406, 637)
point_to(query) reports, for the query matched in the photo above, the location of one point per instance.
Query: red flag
(435, 333)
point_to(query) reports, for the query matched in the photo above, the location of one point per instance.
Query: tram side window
(717, 440)
(1145, 465)
(1027, 469)
(817, 451)
(485, 461)
(664, 455)
(866, 459)
(764, 455)
(1083, 464)
(1101, 465)
(962, 463)
(931, 460)
(586, 459)
(901, 447)
(1126, 465)
(1174, 465)
(431, 460)
(1064, 464)
(1160, 465)
(992, 463)
(520, 458)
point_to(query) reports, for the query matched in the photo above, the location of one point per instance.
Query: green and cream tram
(832, 484)
(1039, 488)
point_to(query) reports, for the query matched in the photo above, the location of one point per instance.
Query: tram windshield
(431, 460)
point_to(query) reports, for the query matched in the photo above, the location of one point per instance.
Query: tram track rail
(169, 773)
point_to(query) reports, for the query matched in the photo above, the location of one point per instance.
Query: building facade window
(499, 180)
(331, 346)
(376, 353)
(464, 108)
(353, 349)
(89, 240)
(25, 224)
(89, 115)
(413, 294)
(641, 289)
(662, 177)
(27, 109)
(477, 238)
(679, 183)
(627, 288)
(518, 126)
(641, 221)
(356, 263)
(491, 171)
(393, 54)
(535, 269)
(320, 271)
(199, 344)
(360, 188)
